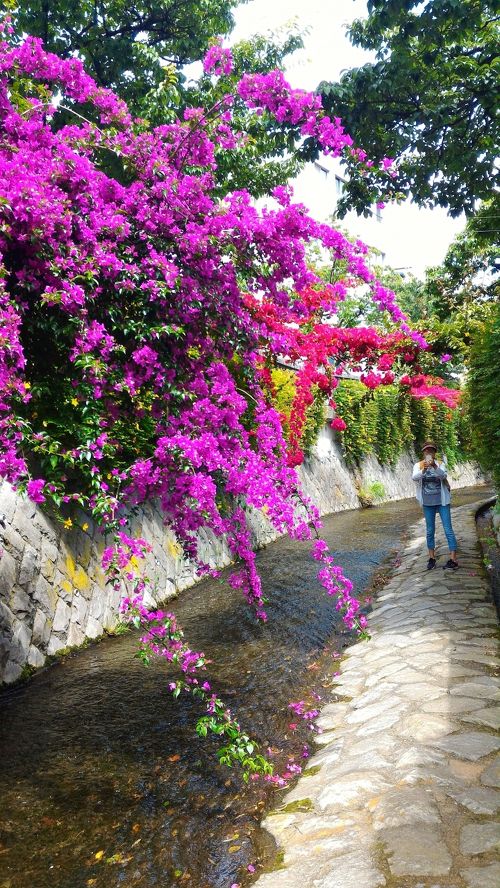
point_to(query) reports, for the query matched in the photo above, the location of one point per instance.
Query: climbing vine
(389, 421)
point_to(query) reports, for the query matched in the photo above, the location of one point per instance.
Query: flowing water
(103, 780)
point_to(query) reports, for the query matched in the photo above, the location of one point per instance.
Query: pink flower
(319, 549)
(34, 490)
(218, 60)
(338, 424)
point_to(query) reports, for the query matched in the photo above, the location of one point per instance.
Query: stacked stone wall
(53, 593)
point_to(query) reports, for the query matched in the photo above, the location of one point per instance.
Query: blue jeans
(430, 513)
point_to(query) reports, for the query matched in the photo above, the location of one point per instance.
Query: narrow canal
(103, 780)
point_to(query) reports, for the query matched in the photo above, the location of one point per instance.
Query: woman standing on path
(433, 494)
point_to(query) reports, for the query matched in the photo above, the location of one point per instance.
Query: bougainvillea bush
(142, 316)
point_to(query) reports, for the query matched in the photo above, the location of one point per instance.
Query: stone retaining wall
(52, 590)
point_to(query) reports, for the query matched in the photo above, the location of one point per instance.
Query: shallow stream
(103, 780)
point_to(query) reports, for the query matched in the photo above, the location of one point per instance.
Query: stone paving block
(348, 871)
(492, 660)
(418, 755)
(471, 745)
(465, 771)
(478, 799)
(351, 871)
(489, 717)
(385, 689)
(403, 806)
(452, 705)
(491, 774)
(455, 671)
(476, 689)
(388, 672)
(416, 850)
(476, 838)
(355, 789)
(318, 840)
(425, 661)
(410, 676)
(366, 713)
(490, 681)
(423, 691)
(424, 727)
(379, 725)
(386, 745)
(482, 876)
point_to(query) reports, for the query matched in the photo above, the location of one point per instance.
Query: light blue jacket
(441, 472)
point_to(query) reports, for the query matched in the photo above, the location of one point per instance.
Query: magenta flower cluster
(218, 60)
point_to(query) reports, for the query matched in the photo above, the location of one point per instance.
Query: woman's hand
(427, 465)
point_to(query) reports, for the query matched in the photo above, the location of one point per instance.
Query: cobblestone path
(404, 791)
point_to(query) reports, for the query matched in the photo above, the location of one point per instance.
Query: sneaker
(451, 565)
(431, 564)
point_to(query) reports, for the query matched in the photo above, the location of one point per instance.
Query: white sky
(420, 237)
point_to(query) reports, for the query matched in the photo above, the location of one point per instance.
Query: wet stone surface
(425, 712)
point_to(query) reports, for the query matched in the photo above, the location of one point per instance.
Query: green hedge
(387, 422)
(483, 394)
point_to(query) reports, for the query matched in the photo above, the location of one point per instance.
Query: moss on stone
(310, 772)
(299, 805)
(277, 864)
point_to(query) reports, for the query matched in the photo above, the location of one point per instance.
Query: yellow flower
(68, 523)
(74, 401)
(85, 526)
(27, 385)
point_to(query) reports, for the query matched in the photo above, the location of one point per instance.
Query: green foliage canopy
(430, 99)
(138, 51)
(127, 46)
(468, 278)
